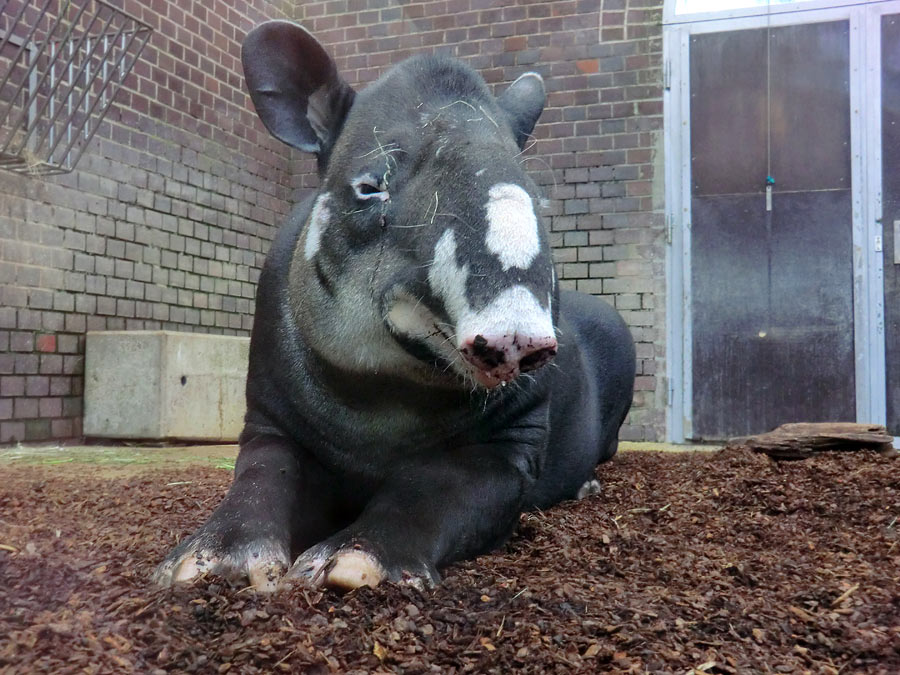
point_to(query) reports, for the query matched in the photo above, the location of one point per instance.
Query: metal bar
(52, 99)
(121, 30)
(22, 47)
(87, 81)
(70, 69)
(52, 92)
(15, 22)
(51, 96)
(859, 178)
(124, 14)
(32, 85)
(118, 64)
(61, 63)
(870, 71)
(107, 101)
(89, 56)
(686, 297)
(105, 63)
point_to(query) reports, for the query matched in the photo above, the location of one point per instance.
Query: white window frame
(670, 17)
(864, 19)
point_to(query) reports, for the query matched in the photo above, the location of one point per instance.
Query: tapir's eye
(368, 186)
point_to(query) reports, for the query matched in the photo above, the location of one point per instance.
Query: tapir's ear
(295, 86)
(523, 103)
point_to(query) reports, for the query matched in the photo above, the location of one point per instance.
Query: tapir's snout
(500, 359)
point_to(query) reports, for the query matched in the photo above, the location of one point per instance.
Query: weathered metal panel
(728, 112)
(772, 288)
(890, 128)
(772, 312)
(809, 110)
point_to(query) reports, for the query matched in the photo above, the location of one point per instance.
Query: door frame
(865, 150)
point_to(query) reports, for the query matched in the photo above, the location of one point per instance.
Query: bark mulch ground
(723, 562)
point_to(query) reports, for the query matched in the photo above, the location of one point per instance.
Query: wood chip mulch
(725, 562)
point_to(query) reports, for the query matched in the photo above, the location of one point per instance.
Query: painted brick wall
(597, 151)
(163, 225)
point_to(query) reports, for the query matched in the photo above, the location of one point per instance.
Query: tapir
(417, 378)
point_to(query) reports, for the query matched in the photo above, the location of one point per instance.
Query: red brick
(45, 343)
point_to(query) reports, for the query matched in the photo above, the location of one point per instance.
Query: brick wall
(597, 149)
(163, 225)
(166, 220)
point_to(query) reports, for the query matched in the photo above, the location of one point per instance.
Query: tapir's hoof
(589, 489)
(352, 569)
(345, 569)
(263, 563)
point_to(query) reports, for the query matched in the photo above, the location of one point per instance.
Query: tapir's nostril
(486, 354)
(537, 358)
(501, 358)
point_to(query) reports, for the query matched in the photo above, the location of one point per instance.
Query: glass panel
(728, 112)
(697, 6)
(810, 106)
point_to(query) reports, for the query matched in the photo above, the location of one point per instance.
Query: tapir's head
(423, 253)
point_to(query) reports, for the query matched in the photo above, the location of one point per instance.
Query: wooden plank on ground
(803, 439)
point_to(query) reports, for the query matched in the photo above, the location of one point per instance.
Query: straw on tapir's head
(424, 239)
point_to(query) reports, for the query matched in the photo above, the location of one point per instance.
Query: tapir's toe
(589, 489)
(195, 565)
(345, 568)
(352, 569)
(262, 563)
(265, 574)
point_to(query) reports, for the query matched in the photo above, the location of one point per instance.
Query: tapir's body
(402, 407)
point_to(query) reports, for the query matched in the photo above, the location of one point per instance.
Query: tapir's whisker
(481, 108)
(527, 147)
(456, 217)
(531, 158)
(383, 149)
(447, 338)
(435, 207)
(450, 105)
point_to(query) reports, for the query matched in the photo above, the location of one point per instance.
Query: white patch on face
(512, 226)
(318, 221)
(410, 317)
(447, 279)
(514, 312)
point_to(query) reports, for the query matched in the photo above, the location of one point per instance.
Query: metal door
(771, 229)
(890, 147)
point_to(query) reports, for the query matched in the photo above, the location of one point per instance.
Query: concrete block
(164, 385)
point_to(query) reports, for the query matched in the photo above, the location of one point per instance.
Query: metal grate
(61, 64)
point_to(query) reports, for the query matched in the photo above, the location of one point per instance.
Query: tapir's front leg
(432, 511)
(279, 499)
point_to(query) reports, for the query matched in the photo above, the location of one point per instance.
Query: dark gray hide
(401, 414)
